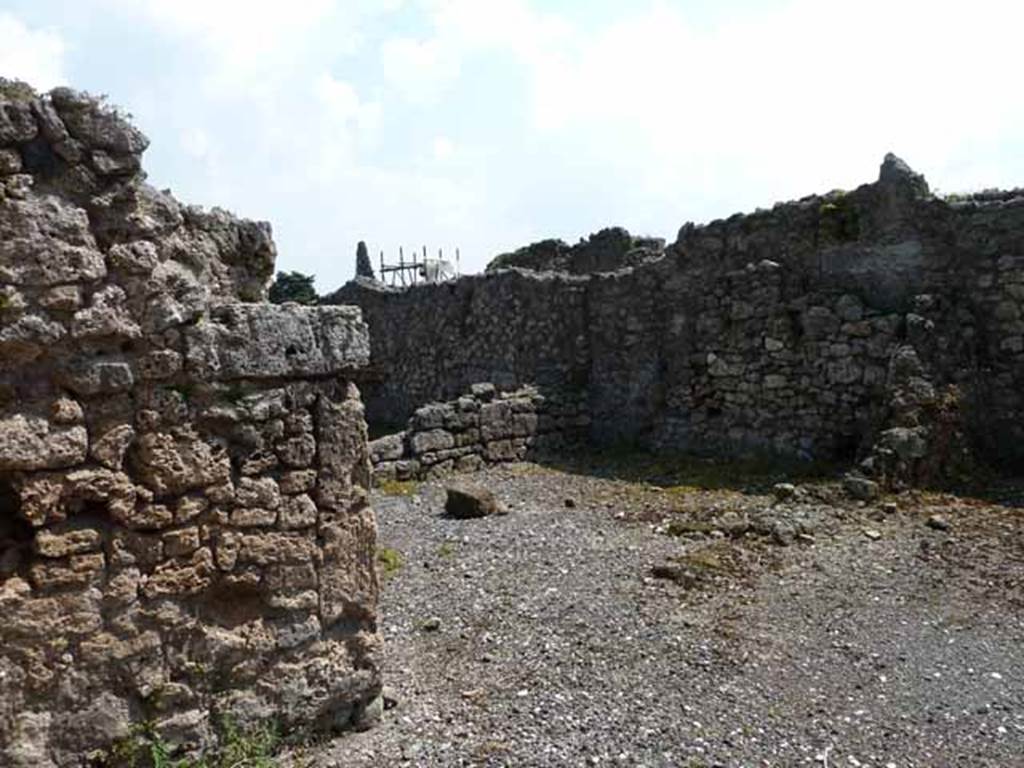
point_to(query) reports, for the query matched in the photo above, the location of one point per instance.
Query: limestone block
(171, 463)
(181, 577)
(298, 481)
(46, 241)
(261, 341)
(28, 337)
(17, 123)
(297, 512)
(105, 377)
(388, 448)
(107, 316)
(109, 450)
(297, 451)
(432, 440)
(249, 517)
(271, 547)
(73, 542)
(181, 542)
(30, 442)
(262, 492)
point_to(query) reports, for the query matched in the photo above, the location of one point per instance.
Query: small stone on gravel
(783, 491)
(465, 502)
(938, 522)
(860, 487)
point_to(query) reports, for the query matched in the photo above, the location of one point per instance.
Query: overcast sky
(487, 124)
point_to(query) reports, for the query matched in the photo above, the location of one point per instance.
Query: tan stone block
(181, 542)
(251, 517)
(298, 481)
(77, 571)
(109, 450)
(297, 451)
(298, 512)
(273, 547)
(179, 577)
(50, 544)
(189, 508)
(262, 492)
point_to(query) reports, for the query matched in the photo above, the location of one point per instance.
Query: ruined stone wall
(787, 330)
(435, 341)
(184, 528)
(482, 427)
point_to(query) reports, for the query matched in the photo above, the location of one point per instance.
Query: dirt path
(542, 638)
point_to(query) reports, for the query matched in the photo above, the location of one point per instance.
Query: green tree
(293, 286)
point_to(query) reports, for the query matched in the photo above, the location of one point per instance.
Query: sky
(484, 125)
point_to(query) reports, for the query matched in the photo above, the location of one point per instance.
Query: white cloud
(195, 142)
(420, 70)
(339, 125)
(242, 37)
(647, 114)
(33, 55)
(443, 148)
(774, 103)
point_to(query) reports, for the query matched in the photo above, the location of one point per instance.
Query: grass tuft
(390, 560)
(398, 487)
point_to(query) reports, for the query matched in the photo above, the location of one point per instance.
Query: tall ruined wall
(434, 342)
(184, 528)
(809, 329)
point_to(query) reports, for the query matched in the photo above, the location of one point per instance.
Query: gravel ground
(605, 622)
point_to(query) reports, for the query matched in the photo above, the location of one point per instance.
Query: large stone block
(262, 341)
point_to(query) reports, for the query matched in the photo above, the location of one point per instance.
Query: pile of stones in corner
(482, 427)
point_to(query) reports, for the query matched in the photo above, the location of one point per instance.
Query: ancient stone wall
(184, 529)
(434, 342)
(482, 427)
(787, 330)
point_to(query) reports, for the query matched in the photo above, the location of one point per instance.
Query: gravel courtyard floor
(614, 621)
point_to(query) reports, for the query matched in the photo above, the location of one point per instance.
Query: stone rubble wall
(434, 342)
(184, 528)
(785, 330)
(480, 428)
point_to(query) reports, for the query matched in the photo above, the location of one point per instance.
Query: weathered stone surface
(464, 502)
(270, 341)
(30, 442)
(45, 240)
(298, 512)
(186, 475)
(178, 462)
(860, 487)
(109, 450)
(478, 428)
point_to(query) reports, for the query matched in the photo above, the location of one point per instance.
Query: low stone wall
(184, 528)
(482, 427)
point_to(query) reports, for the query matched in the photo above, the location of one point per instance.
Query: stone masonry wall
(786, 330)
(184, 528)
(481, 427)
(433, 343)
